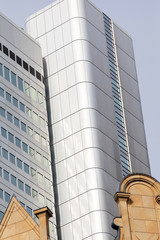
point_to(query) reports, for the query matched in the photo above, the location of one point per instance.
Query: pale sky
(141, 19)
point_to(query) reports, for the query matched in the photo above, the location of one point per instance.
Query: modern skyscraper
(94, 111)
(25, 163)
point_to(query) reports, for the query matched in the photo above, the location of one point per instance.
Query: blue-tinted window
(1, 193)
(27, 189)
(7, 197)
(0, 172)
(13, 180)
(13, 79)
(1, 70)
(16, 122)
(6, 175)
(18, 142)
(1, 92)
(12, 158)
(9, 117)
(20, 185)
(19, 163)
(11, 137)
(15, 102)
(26, 168)
(23, 205)
(5, 153)
(1, 215)
(8, 97)
(29, 210)
(25, 147)
(3, 132)
(23, 126)
(22, 107)
(2, 112)
(6, 73)
(20, 84)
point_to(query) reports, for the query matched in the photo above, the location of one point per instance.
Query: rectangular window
(19, 163)
(20, 185)
(31, 152)
(6, 175)
(23, 205)
(5, 153)
(33, 172)
(42, 121)
(23, 127)
(5, 50)
(47, 182)
(1, 193)
(27, 89)
(40, 177)
(3, 132)
(0, 172)
(44, 141)
(40, 98)
(1, 92)
(38, 75)
(12, 55)
(45, 162)
(35, 116)
(22, 107)
(1, 215)
(1, 70)
(41, 199)
(32, 71)
(20, 84)
(33, 93)
(38, 157)
(2, 112)
(30, 131)
(8, 97)
(11, 137)
(15, 102)
(12, 158)
(34, 194)
(16, 122)
(28, 189)
(13, 79)
(13, 180)
(28, 111)
(29, 210)
(25, 147)
(6, 73)
(7, 197)
(18, 142)
(37, 137)
(25, 65)
(26, 168)
(19, 60)
(9, 117)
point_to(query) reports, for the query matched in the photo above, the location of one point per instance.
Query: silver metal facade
(25, 162)
(82, 122)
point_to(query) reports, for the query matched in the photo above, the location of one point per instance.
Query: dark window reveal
(5, 50)
(19, 60)
(32, 71)
(38, 75)
(0, 47)
(25, 65)
(12, 55)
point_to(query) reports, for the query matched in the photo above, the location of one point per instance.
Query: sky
(141, 20)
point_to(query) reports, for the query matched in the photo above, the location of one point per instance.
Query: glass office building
(96, 130)
(25, 162)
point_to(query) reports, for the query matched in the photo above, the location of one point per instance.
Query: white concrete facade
(25, 161)
(82, 124)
